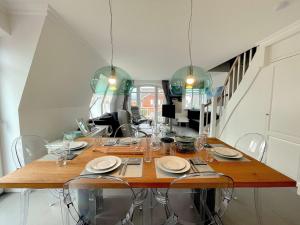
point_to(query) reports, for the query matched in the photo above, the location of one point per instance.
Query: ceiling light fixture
(111, 79)
(190, 77)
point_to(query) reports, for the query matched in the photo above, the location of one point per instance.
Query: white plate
(238, 156)
(228, 152)
(75, 145)
(89, 167)
(104, 163)
(185, 169)
(128, 141)
(172, 163)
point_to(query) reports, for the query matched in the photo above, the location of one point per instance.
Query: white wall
(4, 22)
(57, 90)
(218, 78)
(16, 55)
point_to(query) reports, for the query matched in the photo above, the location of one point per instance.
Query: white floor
(39, 210)
(280, 207)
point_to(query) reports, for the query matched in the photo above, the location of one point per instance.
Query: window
(149, 98)
(100, 104)
(193, 99)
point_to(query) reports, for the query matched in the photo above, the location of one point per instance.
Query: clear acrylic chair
(254, 145)
(24, 150)
(199, 205)
(129, 130)
(91, 201)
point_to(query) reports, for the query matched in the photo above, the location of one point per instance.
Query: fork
(125, 167)
(122, 165)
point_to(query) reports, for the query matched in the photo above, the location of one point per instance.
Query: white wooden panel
(283, 156)
(286, 103)
(284, 48)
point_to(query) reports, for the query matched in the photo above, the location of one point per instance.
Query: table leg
(209, 198)
(24, 199)
(90, 203)
(147, 208)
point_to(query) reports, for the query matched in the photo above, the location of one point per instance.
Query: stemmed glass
(108, 132)
(155, 141)
(67, 140)
(201, 145)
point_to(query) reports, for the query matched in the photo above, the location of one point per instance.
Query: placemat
(162, 174)
(131, 171)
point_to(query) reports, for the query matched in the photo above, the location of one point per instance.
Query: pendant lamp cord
(190, 33)
(111, 34)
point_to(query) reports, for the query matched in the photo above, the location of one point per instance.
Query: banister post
(201, 119)
(213, 116)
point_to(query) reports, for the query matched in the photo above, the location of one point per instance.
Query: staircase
(216, 106)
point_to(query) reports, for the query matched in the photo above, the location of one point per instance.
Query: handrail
(235, 75)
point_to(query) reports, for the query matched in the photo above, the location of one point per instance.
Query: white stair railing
(218, 103)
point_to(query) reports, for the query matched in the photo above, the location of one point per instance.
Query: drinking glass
(173, 149)
(67, 139)
(208, 157)
(155, 142)
(147, 151)
(61, 155)
(201, 142)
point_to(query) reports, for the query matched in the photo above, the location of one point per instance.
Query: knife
(193, 166)
(125, 167)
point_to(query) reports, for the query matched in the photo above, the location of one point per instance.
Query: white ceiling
(150, 36)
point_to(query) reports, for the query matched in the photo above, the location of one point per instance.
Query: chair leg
(54, 197)
(24, 200)
(258, 206)
(172, 220)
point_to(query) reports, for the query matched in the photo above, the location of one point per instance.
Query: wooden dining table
(43, 174)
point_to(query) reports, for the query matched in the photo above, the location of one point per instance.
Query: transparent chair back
(252, 144)
(192, 206)
(102, 200)
(124, 117)
(28, 148)
(129, 130)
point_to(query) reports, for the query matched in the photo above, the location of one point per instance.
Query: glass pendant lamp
(111, 79)
(190, 77)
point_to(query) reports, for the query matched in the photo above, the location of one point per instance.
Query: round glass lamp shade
(188, 77)
(107, 81)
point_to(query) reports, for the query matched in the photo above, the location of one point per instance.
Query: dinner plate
(127, 141)
(76, 145)
(185, 169)
(238, 156)
(172, 163)
(226, 151)
(90, 169)
(104, 163)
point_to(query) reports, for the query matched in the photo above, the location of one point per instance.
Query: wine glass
(68, 138)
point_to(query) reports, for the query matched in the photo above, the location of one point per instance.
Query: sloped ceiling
(150, 36)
